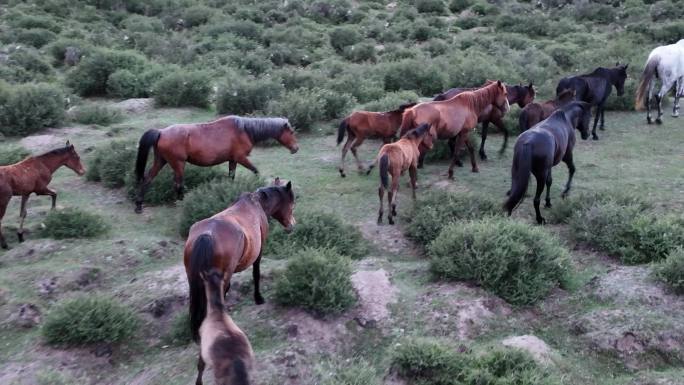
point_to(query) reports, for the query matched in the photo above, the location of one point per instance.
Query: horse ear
(626, 65)
(68, 144)
(276, 182)
(288, 186)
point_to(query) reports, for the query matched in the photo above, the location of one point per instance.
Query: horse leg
(354, 146)
(541, 180)
(571, 172)
(178, 173)
(22, 216)
(421, 158)
(256, 275)
(200, 369)
(391, 198)
(549, 180)
(485, 128)
(4, 201)
(596, 119)
(159, 162)
(602, 108)
(451, 143)
(413, 175)
(457, 147)
(649, 93)
(471, 151)
(381, 193)
(248, 165)
(345, 148)
(232, 165)
(678, 94)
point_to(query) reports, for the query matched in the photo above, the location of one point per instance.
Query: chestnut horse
(230, 139)
(534, 113)
(543, 146)
(232, 240)
(367, 124)
(395, 159)
(456, 117)
(32, 175)
(520, 95)
(223, 346)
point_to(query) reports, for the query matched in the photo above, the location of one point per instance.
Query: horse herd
(232, 240)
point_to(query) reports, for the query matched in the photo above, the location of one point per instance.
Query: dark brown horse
(32, 175)
(395, 159)
(223, 346)
(367, 124)
(543, 146)
(456, 117)
(228, 139)
(534, 113)
(232, 240)
(520, 95)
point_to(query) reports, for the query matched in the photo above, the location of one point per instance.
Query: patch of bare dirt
(539, 350)
(631, 285)
(25, 315)
(375, 293)
(135, 106)
(387, 237)
(41, 143)
(32, 250)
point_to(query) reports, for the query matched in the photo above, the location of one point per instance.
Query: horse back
(204, 144)
(25, 177)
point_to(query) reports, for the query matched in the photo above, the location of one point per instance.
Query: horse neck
(483, 97)
(268, 205)
(52, 161)
(215, 303)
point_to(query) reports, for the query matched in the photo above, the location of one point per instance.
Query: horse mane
(417, 132)
(56, 151)
(260, 129)
(482, 95)
(403, 107)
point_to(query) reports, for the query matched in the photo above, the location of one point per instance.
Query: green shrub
(11, 154)
(484, 9)
(474, 69)
(457, 6)
(25, 65)
(563, 210)
(214, 196)
(161, 190)
(423, 31)
(34, 21)
(179, 335)
(430, 6)
(303, 107)
(125, 84)
(429, 362)
(335, 104)
(27, 108)
(439, 209)
(317, 280)
(671, 270)
(196, 15)
(242, 97)
(342, 37)
(519, 263)
(57, 49)
(467, 22)
(318, 230)
(506, 366)
(35, 37)
(358, 53)
(89, 319)
(391, 101)
(73, 223)
(90, 76)
(414, 75)
(96, 114)
(111, 163)
(182, 88)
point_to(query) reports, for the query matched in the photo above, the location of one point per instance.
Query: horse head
(287, 138)
(501, 97)
(619, 77)
(73, 160)
(281, 201)
(582, 121)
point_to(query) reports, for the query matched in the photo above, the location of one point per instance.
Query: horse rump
(148, 140)
(650, 71)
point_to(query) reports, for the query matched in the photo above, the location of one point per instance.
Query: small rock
(27, 316)
(292, 330)
(539, 350)
(47, 287)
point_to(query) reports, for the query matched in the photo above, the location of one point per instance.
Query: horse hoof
(541, 221)
(259, 300)
(4, 246)
(476, 170)
(564, 195)
(595, 137)
(659, 121)
(483, 157)
(548, 205)
(20, 237)
(649, 120)
(391, 221)
(342, 173)
(602, 129)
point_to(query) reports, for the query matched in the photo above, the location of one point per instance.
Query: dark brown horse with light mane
(232, 240)
(367, 124)
(32, 175)
(456, 117)
(534, 113)
(228, 139)
(520, 95)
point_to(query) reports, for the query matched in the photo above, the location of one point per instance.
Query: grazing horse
(521, 95)
(366, 124)
(230, 139)
(667, 64)
(543, 146)
(456, 117)
(534, 113)
(594, 88)
(232, 240)
(32, 175)
(223, 346)
(395, 158)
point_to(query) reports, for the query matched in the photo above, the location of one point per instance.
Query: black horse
(543, 146)
(595, 87)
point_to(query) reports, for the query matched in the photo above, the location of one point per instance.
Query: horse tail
(200, 260)
(344, 126)
(147, 140)
(384, 170)
(522, 168)
(650, 70)
(239, 373)
(523, 121)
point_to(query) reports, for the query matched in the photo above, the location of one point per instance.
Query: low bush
(319, 230)
(12, 154)
(519, 263)
(161, 190)
(73, 223)
(564, 209)
(391, 101)
(439, 209)
(214, 196)
(89, 319)
(96, 114)
(416, 75)
(196, 15)
(240, 97)
(125, 84)
(35, 37)
(431, 6)
(457, 6)
(181, 88)
(358, 53)
(111, 163)
(90, 76)
(26, 65)
(27, 108)
(317, 280)
(58, 49)
(671, 270)
(342, 37)
(303, 107)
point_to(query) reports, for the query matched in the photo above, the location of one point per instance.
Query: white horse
(667, 64)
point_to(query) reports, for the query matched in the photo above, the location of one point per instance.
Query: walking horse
(667, 64)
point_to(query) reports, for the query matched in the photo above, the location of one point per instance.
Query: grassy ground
(140, 260)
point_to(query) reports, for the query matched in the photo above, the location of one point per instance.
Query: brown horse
(534, 113)
(223, 346)
(228, 139)
(32, 175)
(456, 117)
(395, 159)
(232, 240)
(367, 124)
(520, 95)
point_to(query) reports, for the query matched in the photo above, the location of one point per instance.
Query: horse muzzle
(294, 150)
(289, 228)
(81, 172)
(584, 135)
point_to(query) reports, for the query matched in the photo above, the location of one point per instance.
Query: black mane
(57, 151)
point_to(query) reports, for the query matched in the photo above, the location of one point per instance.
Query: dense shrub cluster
(96, 114)
(182, 88)
(317, 280)
(671, 270)
(73, 223)
(89, 319)
(161, 189)
(27, 108)
(110, 164)
(90, 76)
(241, 97)
(519, 263)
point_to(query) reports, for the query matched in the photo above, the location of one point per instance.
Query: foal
(395, 159)
(534, 113)
(223, 346)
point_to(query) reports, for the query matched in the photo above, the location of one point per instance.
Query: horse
(367, 124)
(32, 175)
(232, 240)
(230, 138)
(456, 117)
(595, 87)
(223, 346)
(520, 95)
(395, 158)
(534, 113)
(543, 146)
(667, 64)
